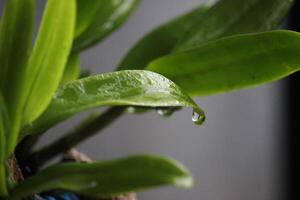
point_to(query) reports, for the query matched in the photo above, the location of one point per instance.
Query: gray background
(235, 155)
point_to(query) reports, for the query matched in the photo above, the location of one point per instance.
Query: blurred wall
(235, 155)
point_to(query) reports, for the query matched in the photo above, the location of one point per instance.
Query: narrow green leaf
(161, 40)
(97, 19)
(71, 72)
(15, 41)
(15, 44)
(230, 17)
(233, 63)
(49, 56)
(86, 10)
(123, 88)
(108, 178)
(3, 135)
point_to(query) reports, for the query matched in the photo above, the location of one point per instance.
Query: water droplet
(198, 118)
(93, 184)
(130, 109)
(166, 111)
(137, 109)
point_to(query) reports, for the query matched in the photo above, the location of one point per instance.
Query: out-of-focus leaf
(208, 22)
(230, 17)
(123, 88)
(97, 19)
(15, 44)
(48, 59)
(86, 11)
(107, 178)
(161, 40)
(3, 136)
(233, 63)
(71, 72)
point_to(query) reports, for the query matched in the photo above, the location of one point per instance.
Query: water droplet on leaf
(93, 184)
(198, 118)
(167, 111)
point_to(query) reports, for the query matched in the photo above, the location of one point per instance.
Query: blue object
(68, 196)
(60, 196)
(49, 198)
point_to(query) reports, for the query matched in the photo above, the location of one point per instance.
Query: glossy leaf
(123, 88)
(15, 45)
(161, 40)
(97, 19)
(71, 72)
(230, 17)
(107, 178)
(3, 136)
(233, 63)
(49, 56)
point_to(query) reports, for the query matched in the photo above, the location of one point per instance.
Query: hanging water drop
(130, 109)
(137, 109)
(166, 111)
(93, 184)
(198, 118)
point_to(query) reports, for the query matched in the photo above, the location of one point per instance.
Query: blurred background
(237, 154)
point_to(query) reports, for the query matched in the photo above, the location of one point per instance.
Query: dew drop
(93, 184)
(130, 109)
(198, 118)
(167, 111)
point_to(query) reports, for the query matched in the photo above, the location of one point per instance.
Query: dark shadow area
(293, 123)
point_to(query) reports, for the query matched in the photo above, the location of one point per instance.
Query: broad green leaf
(161, 40)
(123, 88)
(232, 63)
(97, 19)
(230, 17)
(71, 72)
(3, 135)
(48, 59)
(15, 44)
(227, 17)
(107, 178)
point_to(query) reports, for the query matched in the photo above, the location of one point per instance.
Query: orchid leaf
(49, 57)
(72, 69)
(4, 127)
(161, 40)
(232, 63)
(123, 88)
(231, 17)
(107, 178)
(15, 44)
(97, 19)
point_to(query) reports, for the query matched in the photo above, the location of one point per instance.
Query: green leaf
(232, 63)
(107, 178)
(15, 45)
(48, 59)
(207, 22)
(123, 88)
(97, 19)
(71, 72)
(15, 42)
(230, 17)
(3, 135)
(161, 40)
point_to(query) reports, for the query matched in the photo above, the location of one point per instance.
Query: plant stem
(85, 130)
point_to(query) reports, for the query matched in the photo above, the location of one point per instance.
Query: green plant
(214, 48)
